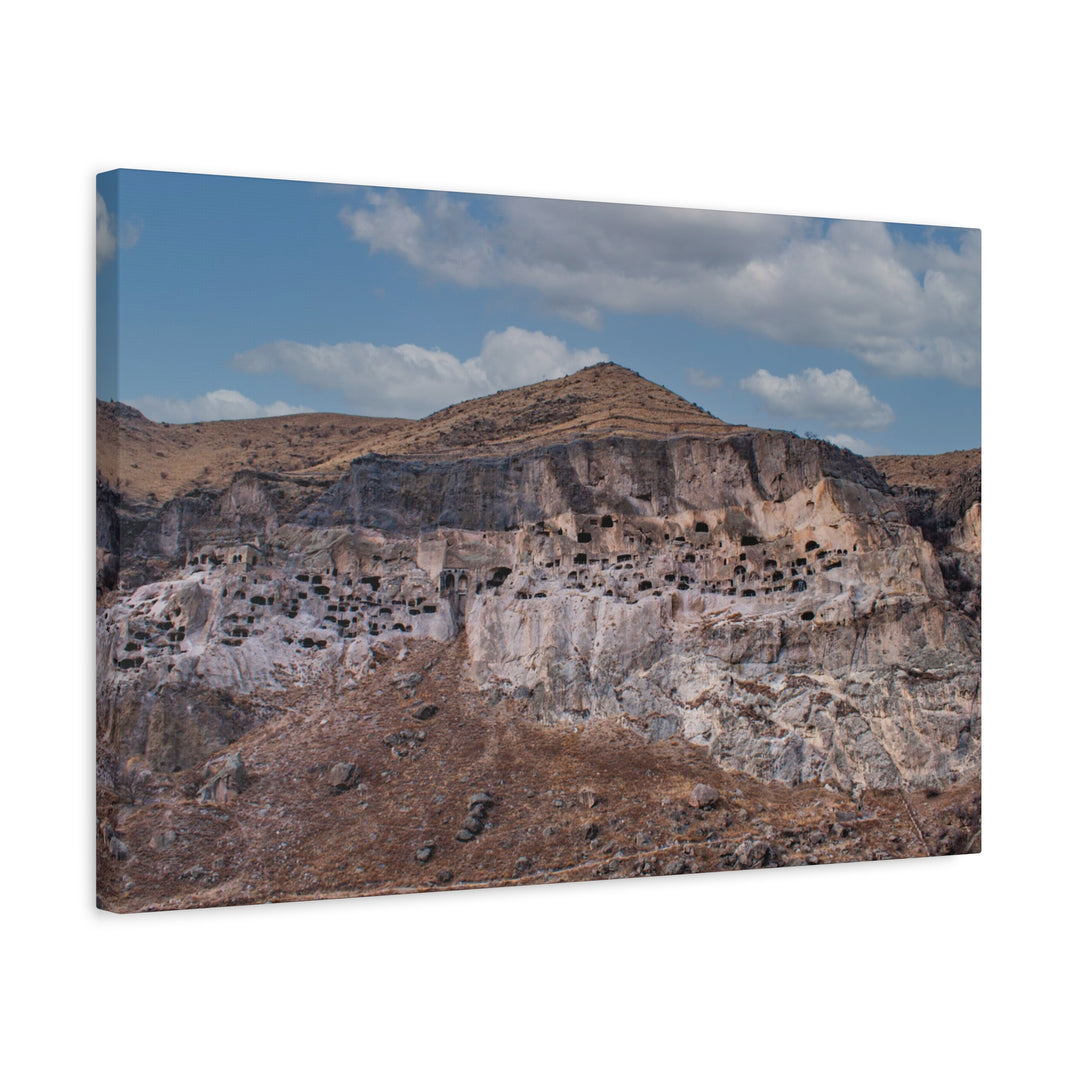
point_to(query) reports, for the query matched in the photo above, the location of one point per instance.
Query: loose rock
(751, 854)
(224, 779)
(703, 796)
(343, 775)
(407, 682)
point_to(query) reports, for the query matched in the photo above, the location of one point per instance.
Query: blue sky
(223, 297)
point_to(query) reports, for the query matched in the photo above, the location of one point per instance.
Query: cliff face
(760, 594)
(618, 475)
(942, 497)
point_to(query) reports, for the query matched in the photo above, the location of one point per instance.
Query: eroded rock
(223, 779)
(343, 775)
(761, 595)
(703, 796)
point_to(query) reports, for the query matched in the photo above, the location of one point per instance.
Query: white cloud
(216, 405)
(703, 380)
(111, 235)
(837, 397)
(412, 381)
(903, 308)
(856, 445)
(106, 233)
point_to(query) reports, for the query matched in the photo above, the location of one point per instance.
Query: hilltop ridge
(604, 399)
(139, 456)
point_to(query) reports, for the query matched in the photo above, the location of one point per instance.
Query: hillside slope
(139, 457)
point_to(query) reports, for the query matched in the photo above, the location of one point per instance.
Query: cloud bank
(412, 381)
(216, 405)
(903, 308)
(836, 397)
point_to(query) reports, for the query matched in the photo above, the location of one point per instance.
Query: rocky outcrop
(619, 475)
(941, 496)
(766, 596)
(108, 538)
(147, 541)
(171, 726)
(223, 780)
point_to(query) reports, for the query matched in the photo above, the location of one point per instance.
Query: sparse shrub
(128, 783)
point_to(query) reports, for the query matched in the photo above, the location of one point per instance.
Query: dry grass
(936, 471)
(598, 401)
(290, 837)
(141, 458)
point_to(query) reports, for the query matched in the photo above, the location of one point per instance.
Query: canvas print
(449, 541)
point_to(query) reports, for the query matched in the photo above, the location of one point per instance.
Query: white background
(946, 114)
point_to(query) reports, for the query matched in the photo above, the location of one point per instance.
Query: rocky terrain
(942, 496)
(581, 629)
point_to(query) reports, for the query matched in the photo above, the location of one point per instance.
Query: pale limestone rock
(760, 595)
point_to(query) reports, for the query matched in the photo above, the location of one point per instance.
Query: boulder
(343, 775)
(703, 796)
(223, 779)
(407, 682)
(162, 840)
(752, 854)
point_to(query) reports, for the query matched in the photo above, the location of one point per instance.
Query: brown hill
(145, 460)
(140, 458)
(936, 490)
(935, 471)
(604, 399)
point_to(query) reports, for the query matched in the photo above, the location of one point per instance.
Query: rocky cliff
(771, 598)
(630, 477)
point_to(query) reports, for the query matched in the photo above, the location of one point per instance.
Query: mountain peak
(600, 400)
(145, 459)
